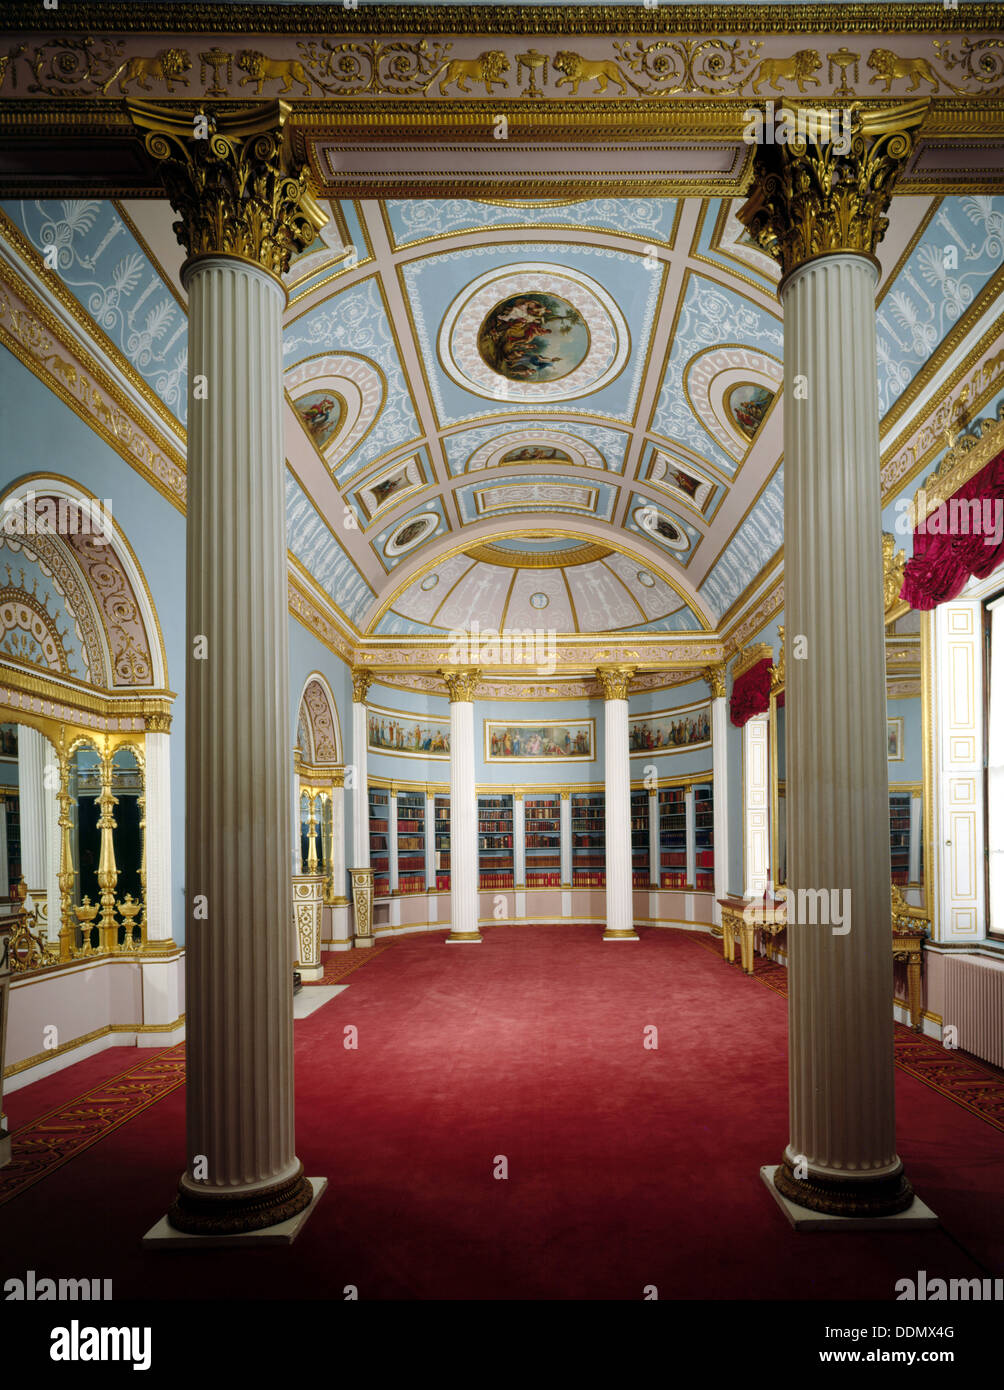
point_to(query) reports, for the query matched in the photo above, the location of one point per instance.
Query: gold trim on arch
(620, 547)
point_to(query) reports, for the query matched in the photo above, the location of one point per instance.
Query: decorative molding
(808, 200)
(715, 677)
(893, 565)
(777, 670)
(361, 682)
(208, 182)
(749, 656)
(970, 454)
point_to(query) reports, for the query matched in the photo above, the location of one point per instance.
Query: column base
(914, 1217)
(164, 1236)
(867, 1198)
(363, 942)
(311, 972)
(227, 1214)
(621, 934)
(464, 938)
(4, 1148)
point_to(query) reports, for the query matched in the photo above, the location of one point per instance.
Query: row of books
(404, 825)
(588, 878)
(534, 879)
(494, 842)
(540, 841)
(499, 880)
(413, 883)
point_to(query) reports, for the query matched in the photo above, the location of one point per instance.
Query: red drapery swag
(962, 537)
(751, 692)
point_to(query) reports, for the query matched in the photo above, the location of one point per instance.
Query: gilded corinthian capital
(715, 676)
(462, 683)
(614, 681)
(361, 682)
(812, 197)
(232, 189)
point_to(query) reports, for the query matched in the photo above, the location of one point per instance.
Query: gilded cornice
(30, 692)
(961, 463)
(810, 199)
(749, 656)
(26, 16)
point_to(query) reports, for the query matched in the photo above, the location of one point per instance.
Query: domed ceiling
(558, 414)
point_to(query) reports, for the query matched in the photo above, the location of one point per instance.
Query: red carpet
(626, 1166)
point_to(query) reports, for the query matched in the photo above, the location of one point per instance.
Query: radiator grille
(974, 1003)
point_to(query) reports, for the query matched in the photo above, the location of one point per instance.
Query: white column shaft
(565, 827)
(394, 879)
(463, 822)
(840, 1021)
(361, 792)
(519, 840)
(430, 840)
(620, 902)
(338, 842)
(720, 797)
(157, 813)
(32, 755)
(688, 812)
(239, 990)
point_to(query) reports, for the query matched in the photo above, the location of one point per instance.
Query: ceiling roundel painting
(535, 332)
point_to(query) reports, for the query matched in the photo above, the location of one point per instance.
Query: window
(993, 783)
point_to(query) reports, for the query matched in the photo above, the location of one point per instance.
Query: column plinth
(821, 213)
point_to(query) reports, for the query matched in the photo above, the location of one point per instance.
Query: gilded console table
(910, 929)
(770, 917)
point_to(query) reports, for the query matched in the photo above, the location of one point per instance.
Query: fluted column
(242, 215)
(565, 828)
(463, 808)
(32, 748)
(715, 676)
(613, 682)
(362, 873)
(821, 213)
(157, 812)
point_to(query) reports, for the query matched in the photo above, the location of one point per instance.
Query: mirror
(906, 755)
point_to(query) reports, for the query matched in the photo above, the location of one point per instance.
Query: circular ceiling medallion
(533, 337)
(660, 527)
(415, 530)
(539, 600)
(430, 581)
(539, 333)
(646, 579)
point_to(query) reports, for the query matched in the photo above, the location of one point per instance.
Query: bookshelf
(588, 840)
(379, 841)
(899, 836)
(672, 838)
(442, 833)
(495, 842)
(543, 841)
(704, 836)
(411, 842)
(639, 839)
(11, 808)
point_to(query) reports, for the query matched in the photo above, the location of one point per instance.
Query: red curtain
(943, 563)
(751, 692)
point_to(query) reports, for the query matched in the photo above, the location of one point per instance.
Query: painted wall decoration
(532, 453)
(680, 481)
(747, 405)
(660, 527)
(669, 731)
(321, 413)
(533, 337)
(534, 743)
(412, 736)
(894, 735)
(394, 482)
(412, 533)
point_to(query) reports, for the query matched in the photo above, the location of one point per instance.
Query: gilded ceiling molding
(755, 618)
(304, 608)
(462, 684)
(28, 691)
(967, 391)
(55, 355)
(749, 656)
(614, 681)
(893, 566)
(231, 189)
(809, 200)
(964, 461)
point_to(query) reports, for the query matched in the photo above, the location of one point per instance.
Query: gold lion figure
(577, 69)
(260, 69)
(486, 68)
(887, 68)
(799, 68)
(169, 66)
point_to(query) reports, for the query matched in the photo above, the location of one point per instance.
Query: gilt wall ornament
(810, 200)
(462, 684)
(614, 681)
(361, 682)
(230, 188)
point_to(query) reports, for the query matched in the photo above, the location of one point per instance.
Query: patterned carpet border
(73, 1126)
(965, 1080)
